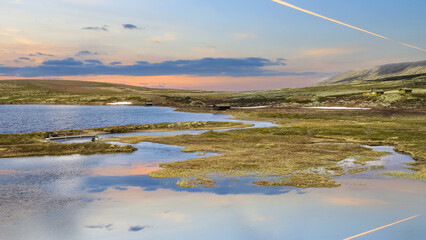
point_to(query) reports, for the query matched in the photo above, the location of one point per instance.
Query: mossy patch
(408, 175)
(302, 180)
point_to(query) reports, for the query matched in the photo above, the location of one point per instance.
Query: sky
(224, 45)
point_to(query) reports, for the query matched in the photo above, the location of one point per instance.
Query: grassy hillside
(344, 94)
(82, 92)
(388, 72)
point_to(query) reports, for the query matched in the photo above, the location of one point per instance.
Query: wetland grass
(292, 147)
(34, 144)
(408, 175)
(262, 153)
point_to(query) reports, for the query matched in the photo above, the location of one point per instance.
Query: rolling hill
(388, 72)
(343, 90)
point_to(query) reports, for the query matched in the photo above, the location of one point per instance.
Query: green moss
(26, 150)
(377, 167)
(356, 170)
(34, 144)
(302, 180)
(254, 152)
(408, 175)
(290, 148)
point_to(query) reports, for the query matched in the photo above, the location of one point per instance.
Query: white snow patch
(256, 107)
(120, 103)
(339, 108)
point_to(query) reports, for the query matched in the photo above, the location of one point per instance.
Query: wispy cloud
(167, 37)
(328, 51)
(102, 28)
(23, 59)
(40, 54)
(64, 62)
(115, 63)
(101, 226)
(13, 34)
(93, 61)
(85, 53)
(232, 67)
(137, 228)
(131, 27)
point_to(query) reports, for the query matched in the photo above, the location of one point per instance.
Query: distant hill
(98, 93)
(388, 72)
(82, 92)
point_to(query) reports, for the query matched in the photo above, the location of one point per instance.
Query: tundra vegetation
(95, 93)
(303, 151)
(35, 144)
(286, 155)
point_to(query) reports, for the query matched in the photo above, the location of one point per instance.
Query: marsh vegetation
(290, 153)
(279, 156)
(35, 144)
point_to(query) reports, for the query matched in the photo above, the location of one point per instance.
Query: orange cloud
(328, 51)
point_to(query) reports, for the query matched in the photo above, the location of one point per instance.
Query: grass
(408, 175)
(290, 153)
(377, 167)
(34, 144)
(302, 180)
(356, 170)
(263, 153)
(197, 125)
(27, 150)
(96, 93)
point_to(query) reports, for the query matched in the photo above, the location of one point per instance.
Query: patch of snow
(120, 103)
(339, 108)
(256, 107)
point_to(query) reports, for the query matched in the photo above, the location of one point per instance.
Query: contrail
(342, 23)
(362, 234)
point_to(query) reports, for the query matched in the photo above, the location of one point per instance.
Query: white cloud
(167, 37)
(177, 217)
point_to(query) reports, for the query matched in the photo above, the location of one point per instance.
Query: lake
(37, 118)
(112, 197)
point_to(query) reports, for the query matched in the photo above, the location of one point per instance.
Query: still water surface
(112, 197)
(37, 118)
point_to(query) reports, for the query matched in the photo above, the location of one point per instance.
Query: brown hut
(404, 91)
(221, 107)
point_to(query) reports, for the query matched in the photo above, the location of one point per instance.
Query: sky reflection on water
(37, 118)
(111, 196)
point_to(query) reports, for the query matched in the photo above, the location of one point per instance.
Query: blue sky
(99, 32)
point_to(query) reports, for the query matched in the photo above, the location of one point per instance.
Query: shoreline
(35, 144)
(290, 122)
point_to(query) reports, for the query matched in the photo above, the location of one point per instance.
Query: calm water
(36, 118)
(112, 197)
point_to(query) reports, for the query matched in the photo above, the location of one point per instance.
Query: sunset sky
(200, 44)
